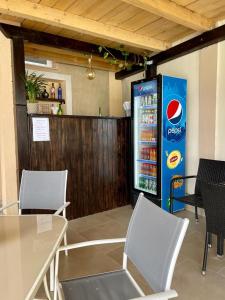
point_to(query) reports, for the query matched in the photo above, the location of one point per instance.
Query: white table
(27, 246)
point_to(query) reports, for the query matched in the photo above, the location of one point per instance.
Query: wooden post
(20, 103)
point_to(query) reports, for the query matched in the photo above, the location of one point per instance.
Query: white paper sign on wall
(41, 129)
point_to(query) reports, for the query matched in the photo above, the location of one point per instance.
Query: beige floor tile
(190, 284)
(188, 281)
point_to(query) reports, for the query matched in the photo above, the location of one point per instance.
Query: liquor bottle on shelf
(45, 94)
(52, 91)
(59, 92)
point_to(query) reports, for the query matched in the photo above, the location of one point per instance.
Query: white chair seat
(106, 286)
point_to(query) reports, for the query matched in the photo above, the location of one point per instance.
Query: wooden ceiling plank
(138, 21)
(174, 12)
(63, 5)
(79, 7)
(117, 18)
(204, 7)
(95, 12)
(60, 19)
(49, 3)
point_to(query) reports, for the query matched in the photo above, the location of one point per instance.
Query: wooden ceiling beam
(68, 59)
(201, 41)
(174, 12)
(60, 42)
(51, 16)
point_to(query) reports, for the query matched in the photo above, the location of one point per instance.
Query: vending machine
(158, 137)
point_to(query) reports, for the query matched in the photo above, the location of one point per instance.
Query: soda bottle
(153, 154)
(149, 184)
(155, 171)
(150, 170)
(148, 153)
(146, 183)
(140, 182)
(150, 157)
(143, 153)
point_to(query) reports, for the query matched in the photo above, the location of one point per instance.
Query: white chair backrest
(153, 242)
(43, 189)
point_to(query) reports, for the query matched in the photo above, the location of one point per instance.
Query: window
(38, 62)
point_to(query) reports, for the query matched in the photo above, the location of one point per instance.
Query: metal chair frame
(61, 209)
(162, 295)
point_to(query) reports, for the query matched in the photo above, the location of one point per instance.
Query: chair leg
(205, 254)
(65, 243)
(46, 288)
(171, 205)
(210, 240)
(220, 240)
(52, 276)
(57, 288)
(196, 214)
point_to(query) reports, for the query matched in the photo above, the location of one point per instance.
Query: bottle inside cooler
(146, 142)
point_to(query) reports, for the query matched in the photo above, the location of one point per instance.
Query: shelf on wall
(51, 100)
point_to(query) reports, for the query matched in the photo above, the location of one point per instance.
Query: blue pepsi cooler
(158, 113)
(173, 137)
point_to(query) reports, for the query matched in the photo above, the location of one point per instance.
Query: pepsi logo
(174, 112)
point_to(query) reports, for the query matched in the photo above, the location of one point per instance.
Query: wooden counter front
(95, 150)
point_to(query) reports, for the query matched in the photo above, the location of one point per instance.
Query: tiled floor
(188, 281)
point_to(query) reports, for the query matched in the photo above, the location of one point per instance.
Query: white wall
(220, 104)
(126, 87)
(207, 100)
(8, 148)
(188, 67)
(115, 96)
(86, 96)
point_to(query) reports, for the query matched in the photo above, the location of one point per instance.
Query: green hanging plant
(122, 64)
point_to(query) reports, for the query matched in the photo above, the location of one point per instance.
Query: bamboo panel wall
(95, 151)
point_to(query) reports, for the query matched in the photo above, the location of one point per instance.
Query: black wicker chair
(214, 203)
(208, 170)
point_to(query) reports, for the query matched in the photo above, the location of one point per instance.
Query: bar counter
(95, 151)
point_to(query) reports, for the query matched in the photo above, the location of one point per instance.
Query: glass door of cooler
(145, 136)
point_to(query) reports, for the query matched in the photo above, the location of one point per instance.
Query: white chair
(43, 190)
(153, 241)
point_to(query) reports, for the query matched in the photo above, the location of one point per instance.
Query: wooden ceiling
(142, 26)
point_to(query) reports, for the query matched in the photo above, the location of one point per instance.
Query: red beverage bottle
(148, 153)
(153, 154)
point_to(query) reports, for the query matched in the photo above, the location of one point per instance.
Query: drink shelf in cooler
(147, 142)
(147, 176)
(152, 162)
(147, 125)
(148, 191)
(149, 107)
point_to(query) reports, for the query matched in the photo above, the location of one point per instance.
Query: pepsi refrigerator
(158, 137)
